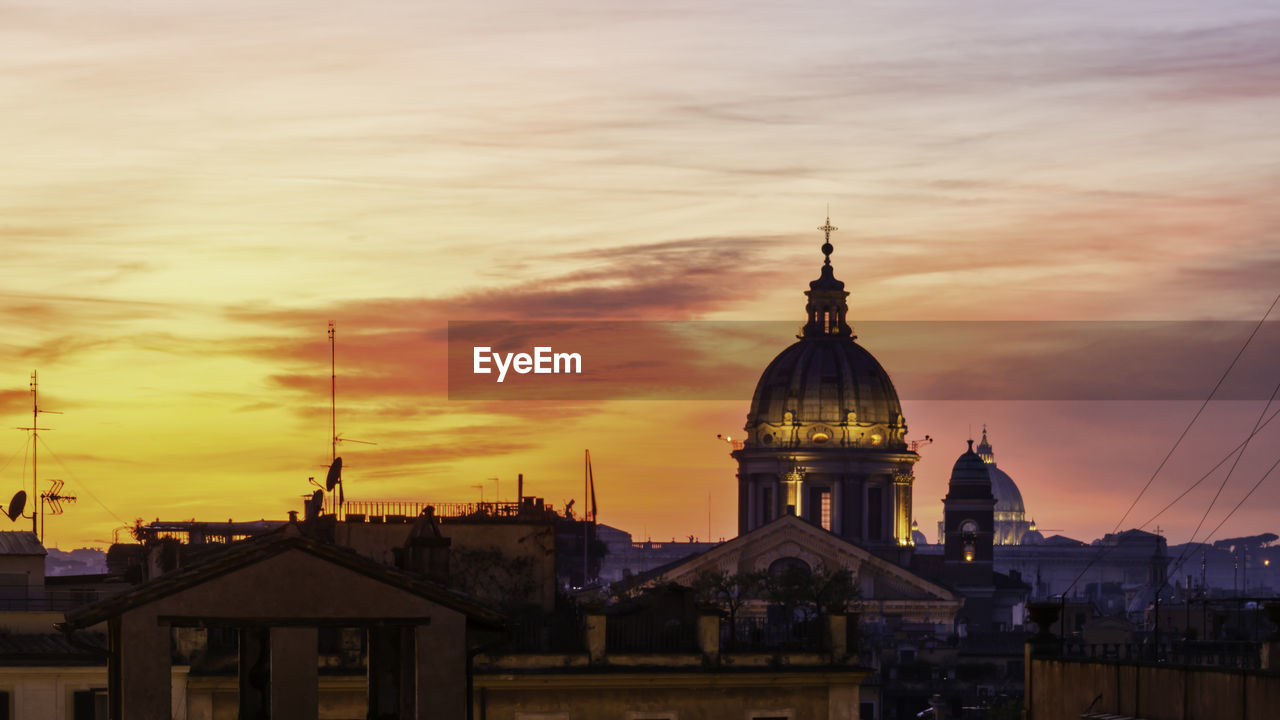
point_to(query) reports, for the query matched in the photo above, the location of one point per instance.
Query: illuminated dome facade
(825, 437)
(825, 390)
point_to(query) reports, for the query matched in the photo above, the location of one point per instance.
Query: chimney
(427, 551)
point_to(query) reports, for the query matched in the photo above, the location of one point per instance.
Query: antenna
(54, 498)
(35, 449)
(917, 444)
(334, 436)
(333, 392)
(334, 478)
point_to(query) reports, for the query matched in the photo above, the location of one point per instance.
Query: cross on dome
(827, 228)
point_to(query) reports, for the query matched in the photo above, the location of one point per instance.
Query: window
(867, 711)
(767, 510)
(88, 704)
(824, 502)
(875, 521)
(771, 715)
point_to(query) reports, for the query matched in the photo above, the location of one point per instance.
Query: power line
(24, 446)
(1222, 486)
(1182, 436)
(1211, 470)
(1186, 554)
(81, 484)
(1195, 417)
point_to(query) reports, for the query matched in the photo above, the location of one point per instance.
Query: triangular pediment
(790, 537)
(286, 574)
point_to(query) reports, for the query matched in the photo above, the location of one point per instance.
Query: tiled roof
(20, 542)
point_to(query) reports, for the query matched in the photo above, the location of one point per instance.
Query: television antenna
(335, 436)
(36, 520)
(54, 498)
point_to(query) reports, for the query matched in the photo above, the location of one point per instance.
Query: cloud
(13, 401)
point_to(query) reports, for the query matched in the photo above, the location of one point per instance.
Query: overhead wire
(80, 483)
(1182, 436)
(1235, 463)
(1216, 386)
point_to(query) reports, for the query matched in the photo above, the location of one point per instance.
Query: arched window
(782, 565)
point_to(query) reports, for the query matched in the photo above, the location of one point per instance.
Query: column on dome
(902, 482)
(793, 483)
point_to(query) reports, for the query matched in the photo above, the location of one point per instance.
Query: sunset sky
(191, 191)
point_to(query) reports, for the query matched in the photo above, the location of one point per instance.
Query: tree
(729, 591)
(813, 591)
(489, 575)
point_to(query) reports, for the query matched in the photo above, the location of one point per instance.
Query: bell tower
(968, 513)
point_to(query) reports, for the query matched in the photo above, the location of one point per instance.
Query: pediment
(791, 537)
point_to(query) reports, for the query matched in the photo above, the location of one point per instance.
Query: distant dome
(1012, 527)
(1008, 497)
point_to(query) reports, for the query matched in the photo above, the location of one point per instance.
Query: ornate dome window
(819, 435)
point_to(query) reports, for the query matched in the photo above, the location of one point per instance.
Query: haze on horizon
(192, 191)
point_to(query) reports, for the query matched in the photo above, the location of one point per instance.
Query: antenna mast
(333, 395)
(35, 450)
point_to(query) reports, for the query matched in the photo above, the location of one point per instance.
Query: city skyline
(192, 193)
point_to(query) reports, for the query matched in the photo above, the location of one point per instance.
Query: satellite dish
(335, 475)
(335, 478)
(315, 503)
(17, 505)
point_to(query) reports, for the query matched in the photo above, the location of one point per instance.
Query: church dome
(831, 384)
(1012, 527)
(1008, 497)
(826, 389)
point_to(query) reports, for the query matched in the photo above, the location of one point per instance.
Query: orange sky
(191, 191)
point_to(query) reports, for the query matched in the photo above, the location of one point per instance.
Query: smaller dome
(969, 477)
(970, 467)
